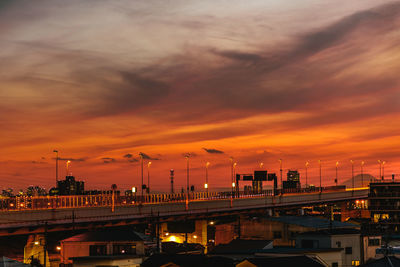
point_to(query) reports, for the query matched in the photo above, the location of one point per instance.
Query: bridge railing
(99, 200)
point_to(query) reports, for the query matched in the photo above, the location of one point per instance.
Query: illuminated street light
(320, 176)
(307, 163)
(148, 177)
(383, 170)
(352, 172)
(336, 180)
(380, 168)
(261, 165)
(141, 168)
(362, 174)
(280, 169)
(206, 184)
(56, 151)
(68, 165)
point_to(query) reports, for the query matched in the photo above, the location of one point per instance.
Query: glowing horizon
(102, 81)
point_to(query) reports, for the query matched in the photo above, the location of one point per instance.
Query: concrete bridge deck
(12, 221)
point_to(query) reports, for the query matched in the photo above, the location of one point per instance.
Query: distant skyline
(102, 81)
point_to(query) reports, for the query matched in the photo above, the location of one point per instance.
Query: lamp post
(383, 170)
(148, 177)
(56, 151)
(134, 193)
(362, 173)
(231, 159)
(380, 168)
(307, 163)
(261, 165)
(187, 180)
(68, 164)
(187, 156)
(141, 169)
(320, 176)
(352, 172)
(234, 185)
(336, 180)
(206, 184)
(280, 170)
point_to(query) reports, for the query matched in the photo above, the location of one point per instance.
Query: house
(347, 239)
(282, 229)
(187, 260)
(388, 261)
(103, 248)
(238, 249)
(287, 261)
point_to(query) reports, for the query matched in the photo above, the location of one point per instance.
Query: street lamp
(383, 170)
(307, 163)
(352, 172)
(187, 156)
(148, 177)
(280, 169)
(320, 176)
(336, 180)
(206, 184)
(56, 151)
(141, 169)
(362, 174)
(134, 193)
(68, 164)
(261, 165)
(380, 168)
(234, 176)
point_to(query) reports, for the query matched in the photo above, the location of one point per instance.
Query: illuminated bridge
(23, 215)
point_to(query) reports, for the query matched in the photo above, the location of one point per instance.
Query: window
(277, 234)
(339, 244)
(97, 250)
(335, 264)
(124, 249)
(349, 250)
(373, 242)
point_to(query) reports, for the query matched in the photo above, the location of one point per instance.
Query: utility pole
(45, 244)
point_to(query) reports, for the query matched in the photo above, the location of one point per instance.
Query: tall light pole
(380, 168)
(206, 184)
(231, 159)
(148, 177)
(187, 180)
(68, 163)
(261, 165)
(187, 156)
(280, 170)
(307, 163)
(320, 176)
(362, 173)
(352, 172)
(383, 170)
(234, 185)
(56, 151)
(141, 168)
(336, 180)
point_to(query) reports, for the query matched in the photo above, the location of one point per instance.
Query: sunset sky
(103, 80)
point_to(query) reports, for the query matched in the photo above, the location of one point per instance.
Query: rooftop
(333, 231)
(298, 261)
(312, 222)
(242, 246)
(105, 236)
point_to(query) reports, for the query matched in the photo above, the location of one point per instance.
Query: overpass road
(81, 212)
